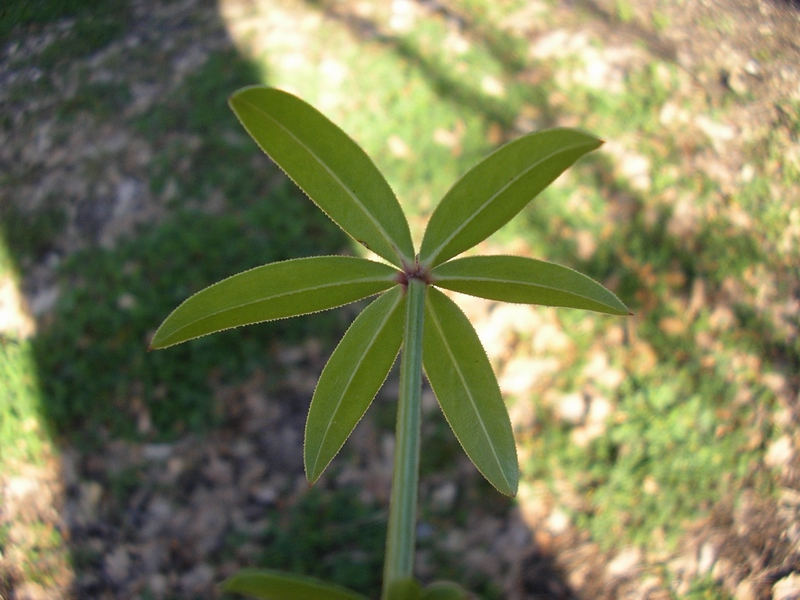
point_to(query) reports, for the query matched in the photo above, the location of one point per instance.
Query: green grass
(25, 442)
(330, 536)
(683, 426)
(31, 233)
(96, 376)
(22, 437)
(95, 24)
(93, 359)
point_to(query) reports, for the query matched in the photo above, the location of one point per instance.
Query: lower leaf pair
(275, 585)
(457, 369)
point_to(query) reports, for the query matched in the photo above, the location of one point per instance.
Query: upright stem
(401, 536)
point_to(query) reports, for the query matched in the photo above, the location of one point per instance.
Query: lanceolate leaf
(274, 291)
(466, 388)
(526, 281)
(328, 166)
(274, 585)
(497, 188)
(352, 377)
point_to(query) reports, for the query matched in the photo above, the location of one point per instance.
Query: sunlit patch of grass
(690, 424)
(32, 544)
(434, 103)
(23, 439)
(22, 436)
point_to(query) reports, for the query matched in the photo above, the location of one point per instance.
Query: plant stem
(401, 537)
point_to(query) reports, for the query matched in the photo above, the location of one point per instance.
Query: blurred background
(659, 453)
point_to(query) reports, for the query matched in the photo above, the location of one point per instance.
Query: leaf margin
(180, 318)
(521, 150)
(387, 316)
(473, 274)
(388, 234)
(505, 482)
(301, 587)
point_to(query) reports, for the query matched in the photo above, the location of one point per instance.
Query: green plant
(410, 313)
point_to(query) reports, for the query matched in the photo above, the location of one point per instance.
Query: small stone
(19, 488)
(198, 579)
(571, 408)
(91, 492)
(290, 355)
(736, 80)
(745, 591)
(521, 375)
(265, 494)
(158, 585)
(599, 409)
(117, 565)
(558, 522)
(752, 67)
(398, 147)
(156, 452)
(219, 471)
(152, 555)
(780, 452)
(428, 401)
(444, 496)
(31, 591)
(624, 563)
(454, 541)
(706, 558)
(721, 569)
(787, 588)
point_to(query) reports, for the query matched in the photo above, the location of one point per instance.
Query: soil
(165, 537)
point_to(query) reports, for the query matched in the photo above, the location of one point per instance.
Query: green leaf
(404, 589)
(466, 388)
(444, 590)
(497, 188)
(526, 281)
(274, 291)
(275, 585)
(328, 166)
(354, 374)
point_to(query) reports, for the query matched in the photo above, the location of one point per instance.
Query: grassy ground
(693, 409)
(688, 214)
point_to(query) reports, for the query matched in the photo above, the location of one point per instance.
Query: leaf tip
(312, 475)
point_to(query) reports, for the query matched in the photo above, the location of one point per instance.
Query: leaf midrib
(461, 378)
(281, 295)
(336, 178)
(451, 278)
(434, 255)
(353, 375)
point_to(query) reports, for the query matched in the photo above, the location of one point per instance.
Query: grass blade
(328, 166)
(275, 585)
(274, 291)
(354, 374)
(526, 281)
(466, 388)
(497, 188)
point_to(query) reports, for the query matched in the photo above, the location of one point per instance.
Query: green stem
(400, 541)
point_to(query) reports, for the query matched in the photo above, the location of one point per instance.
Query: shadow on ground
(108, 257)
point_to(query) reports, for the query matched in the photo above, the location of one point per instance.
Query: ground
(141, 516)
